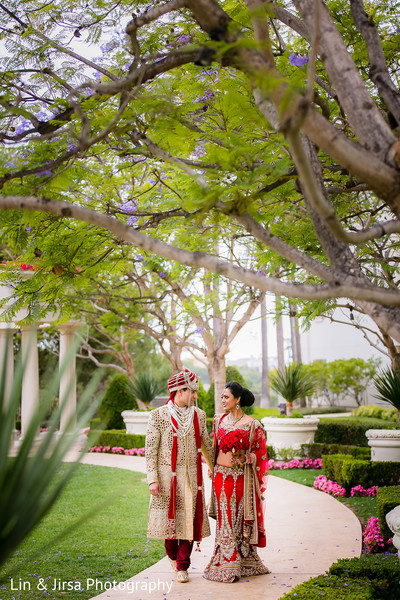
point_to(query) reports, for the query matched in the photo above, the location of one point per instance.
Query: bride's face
(228, 400)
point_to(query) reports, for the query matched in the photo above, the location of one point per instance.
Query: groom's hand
(154, 488)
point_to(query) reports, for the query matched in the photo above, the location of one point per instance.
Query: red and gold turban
(184, 379)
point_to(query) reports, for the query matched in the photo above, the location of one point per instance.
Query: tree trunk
(279, 338)
(296, 348)
(219, 371)
(265, 395)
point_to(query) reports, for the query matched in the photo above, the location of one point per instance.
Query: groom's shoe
(182, 576)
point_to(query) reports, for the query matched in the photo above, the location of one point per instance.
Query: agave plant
(387, 384)
(146, 387)
(292, 383)
(26, 488)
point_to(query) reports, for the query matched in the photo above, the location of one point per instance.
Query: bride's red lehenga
(237, 505)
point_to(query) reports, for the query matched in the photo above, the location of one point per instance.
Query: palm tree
(291, 384)
(387, 384)
(146, 387)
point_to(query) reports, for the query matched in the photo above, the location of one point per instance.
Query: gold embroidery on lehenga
(230, 537)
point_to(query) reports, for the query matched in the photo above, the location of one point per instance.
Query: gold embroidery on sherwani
(158, 464)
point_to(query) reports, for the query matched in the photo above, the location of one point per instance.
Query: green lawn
(110, 545)
(303, 476)
(363, 507)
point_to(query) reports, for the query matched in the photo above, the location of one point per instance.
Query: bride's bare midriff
(225, 460)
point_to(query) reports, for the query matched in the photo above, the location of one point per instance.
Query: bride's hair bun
(238, 391)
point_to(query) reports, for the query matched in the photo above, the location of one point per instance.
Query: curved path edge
(307, 531)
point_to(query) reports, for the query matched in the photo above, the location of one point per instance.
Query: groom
(176, 436)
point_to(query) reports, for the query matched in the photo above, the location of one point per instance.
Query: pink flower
(329, 487)
(372, 537)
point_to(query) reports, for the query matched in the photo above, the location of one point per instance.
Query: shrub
(369, 577)
(116, 438)
(318, 450)
(350, 472)
(271, 453)
(376, 412)
(367, 565)
(95, 424)
(386, 499)
(348, 431)
(322, 410)
(205, 401)
(209, 422)
(117, 398)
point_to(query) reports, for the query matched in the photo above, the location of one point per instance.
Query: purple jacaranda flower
(28, 228)
(46, 172)
(71, 146)
(43, 115)
(298, 60)
(200, 149)
(132, 221)
(207, 94)
(162, 274)
(129, 207)
(199, 329)
(109, 46)
(139, 257)
(24, 126)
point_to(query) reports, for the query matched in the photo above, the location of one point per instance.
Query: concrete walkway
(307, 531)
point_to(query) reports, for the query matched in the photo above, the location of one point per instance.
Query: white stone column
(6, 360)
(30, 378)
(67, 395)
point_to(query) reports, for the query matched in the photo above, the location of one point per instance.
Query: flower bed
(373, 538)
(307, 463)
(118, 450)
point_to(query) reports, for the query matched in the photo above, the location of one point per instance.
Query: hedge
(318, 450)
(116, 438)
(117, 398)
(377, 412)
(370, 577)
(387, 498)
(349, 431)
(350, 472)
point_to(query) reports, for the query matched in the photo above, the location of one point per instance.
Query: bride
(239, 481)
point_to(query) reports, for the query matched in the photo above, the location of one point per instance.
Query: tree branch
(207, 261)
(378, 68)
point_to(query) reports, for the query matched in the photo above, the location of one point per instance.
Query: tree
(177, 307)
(278, 122)
(341, 379)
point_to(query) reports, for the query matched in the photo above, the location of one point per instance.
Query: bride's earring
(237, 406)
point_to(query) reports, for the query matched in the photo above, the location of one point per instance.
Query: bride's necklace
(184, 420)
(234, 421)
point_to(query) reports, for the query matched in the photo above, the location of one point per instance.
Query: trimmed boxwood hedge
(349, 430)
(370, 577)
(350, 472)
(318, 450)
(387, 499)
(116, 438)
